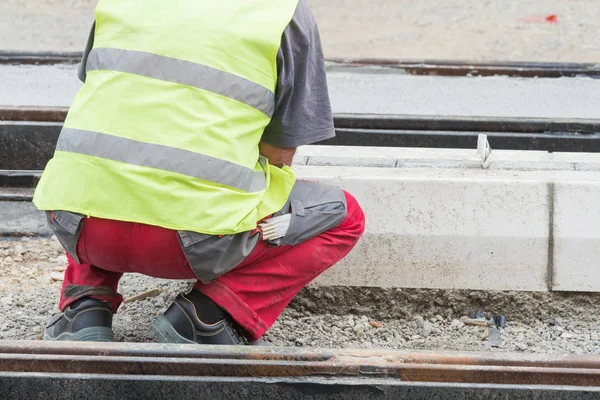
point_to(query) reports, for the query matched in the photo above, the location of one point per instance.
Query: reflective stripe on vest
(171, 159)
(183, 72)
(166, 129)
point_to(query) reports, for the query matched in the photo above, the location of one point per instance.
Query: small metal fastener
(484, 151)
(500, 321)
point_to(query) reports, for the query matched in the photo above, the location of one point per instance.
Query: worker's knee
(354, 223)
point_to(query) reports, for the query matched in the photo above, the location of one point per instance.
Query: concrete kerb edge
(385, 245)
(550, 278)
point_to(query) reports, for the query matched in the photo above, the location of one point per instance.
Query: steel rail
(465, 123)
(28, 135)
(95, 386)
(378, 121)
(39, 58)
(413, 67)
(183, 360)
(562, 141)
(467, 68)
(33, 114)
(29, 145)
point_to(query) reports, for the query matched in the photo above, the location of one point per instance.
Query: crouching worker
(174, 163)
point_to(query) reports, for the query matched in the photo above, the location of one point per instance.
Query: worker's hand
(277, 156)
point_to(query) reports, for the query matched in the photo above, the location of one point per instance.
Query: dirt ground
(340, 317)
(478, 30)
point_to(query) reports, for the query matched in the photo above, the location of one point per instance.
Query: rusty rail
(39, 58)
(471, 68)
(28, 136)
(374, 121)
(33, 114)
(147, 359)
(413, 67)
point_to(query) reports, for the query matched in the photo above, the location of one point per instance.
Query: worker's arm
(302, 113)
(278, 156)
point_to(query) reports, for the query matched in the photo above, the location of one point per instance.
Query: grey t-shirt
(302, 107)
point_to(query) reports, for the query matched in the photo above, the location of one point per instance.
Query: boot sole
(93, 334)
(164, 332)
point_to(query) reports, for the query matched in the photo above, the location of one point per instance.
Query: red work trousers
(254, 293)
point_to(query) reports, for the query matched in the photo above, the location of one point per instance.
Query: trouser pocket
(315, 208)
(67, 228)
(211, 256)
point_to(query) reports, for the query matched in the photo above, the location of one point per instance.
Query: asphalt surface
(38, 85)
(465, 96)
(369, 91)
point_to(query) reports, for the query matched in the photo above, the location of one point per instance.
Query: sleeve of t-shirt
(302, 107)
(81, 72)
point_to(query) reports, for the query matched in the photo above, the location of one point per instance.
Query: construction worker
(174, 162)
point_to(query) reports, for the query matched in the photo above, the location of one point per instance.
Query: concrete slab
(577, 236)
(446, 158)
(444, 225)
(587, 167)
(439, 229)
(349, 161)
(443, 262)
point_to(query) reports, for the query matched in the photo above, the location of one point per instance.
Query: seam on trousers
(219, 290)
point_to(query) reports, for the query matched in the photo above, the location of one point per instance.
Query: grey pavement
(38, 85)
(464, 96)
(374, 91)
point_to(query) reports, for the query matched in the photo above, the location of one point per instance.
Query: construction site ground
(330, 317)
(478, 30)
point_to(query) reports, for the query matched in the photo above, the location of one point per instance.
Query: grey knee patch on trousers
(78, 291)
(211, 256)
(67, 228)
(315, 208)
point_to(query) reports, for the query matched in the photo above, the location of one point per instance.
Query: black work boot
(86, 320)
(194, 318)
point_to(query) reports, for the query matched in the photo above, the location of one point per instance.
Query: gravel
(485, 30)
(334, 317)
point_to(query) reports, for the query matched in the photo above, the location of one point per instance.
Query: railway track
(126, 370)
(411, 67)
(28, 136)
(26, 129)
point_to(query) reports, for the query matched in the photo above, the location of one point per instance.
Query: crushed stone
(333, 317)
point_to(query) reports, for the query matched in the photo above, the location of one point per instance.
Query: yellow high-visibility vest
(165, 130)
